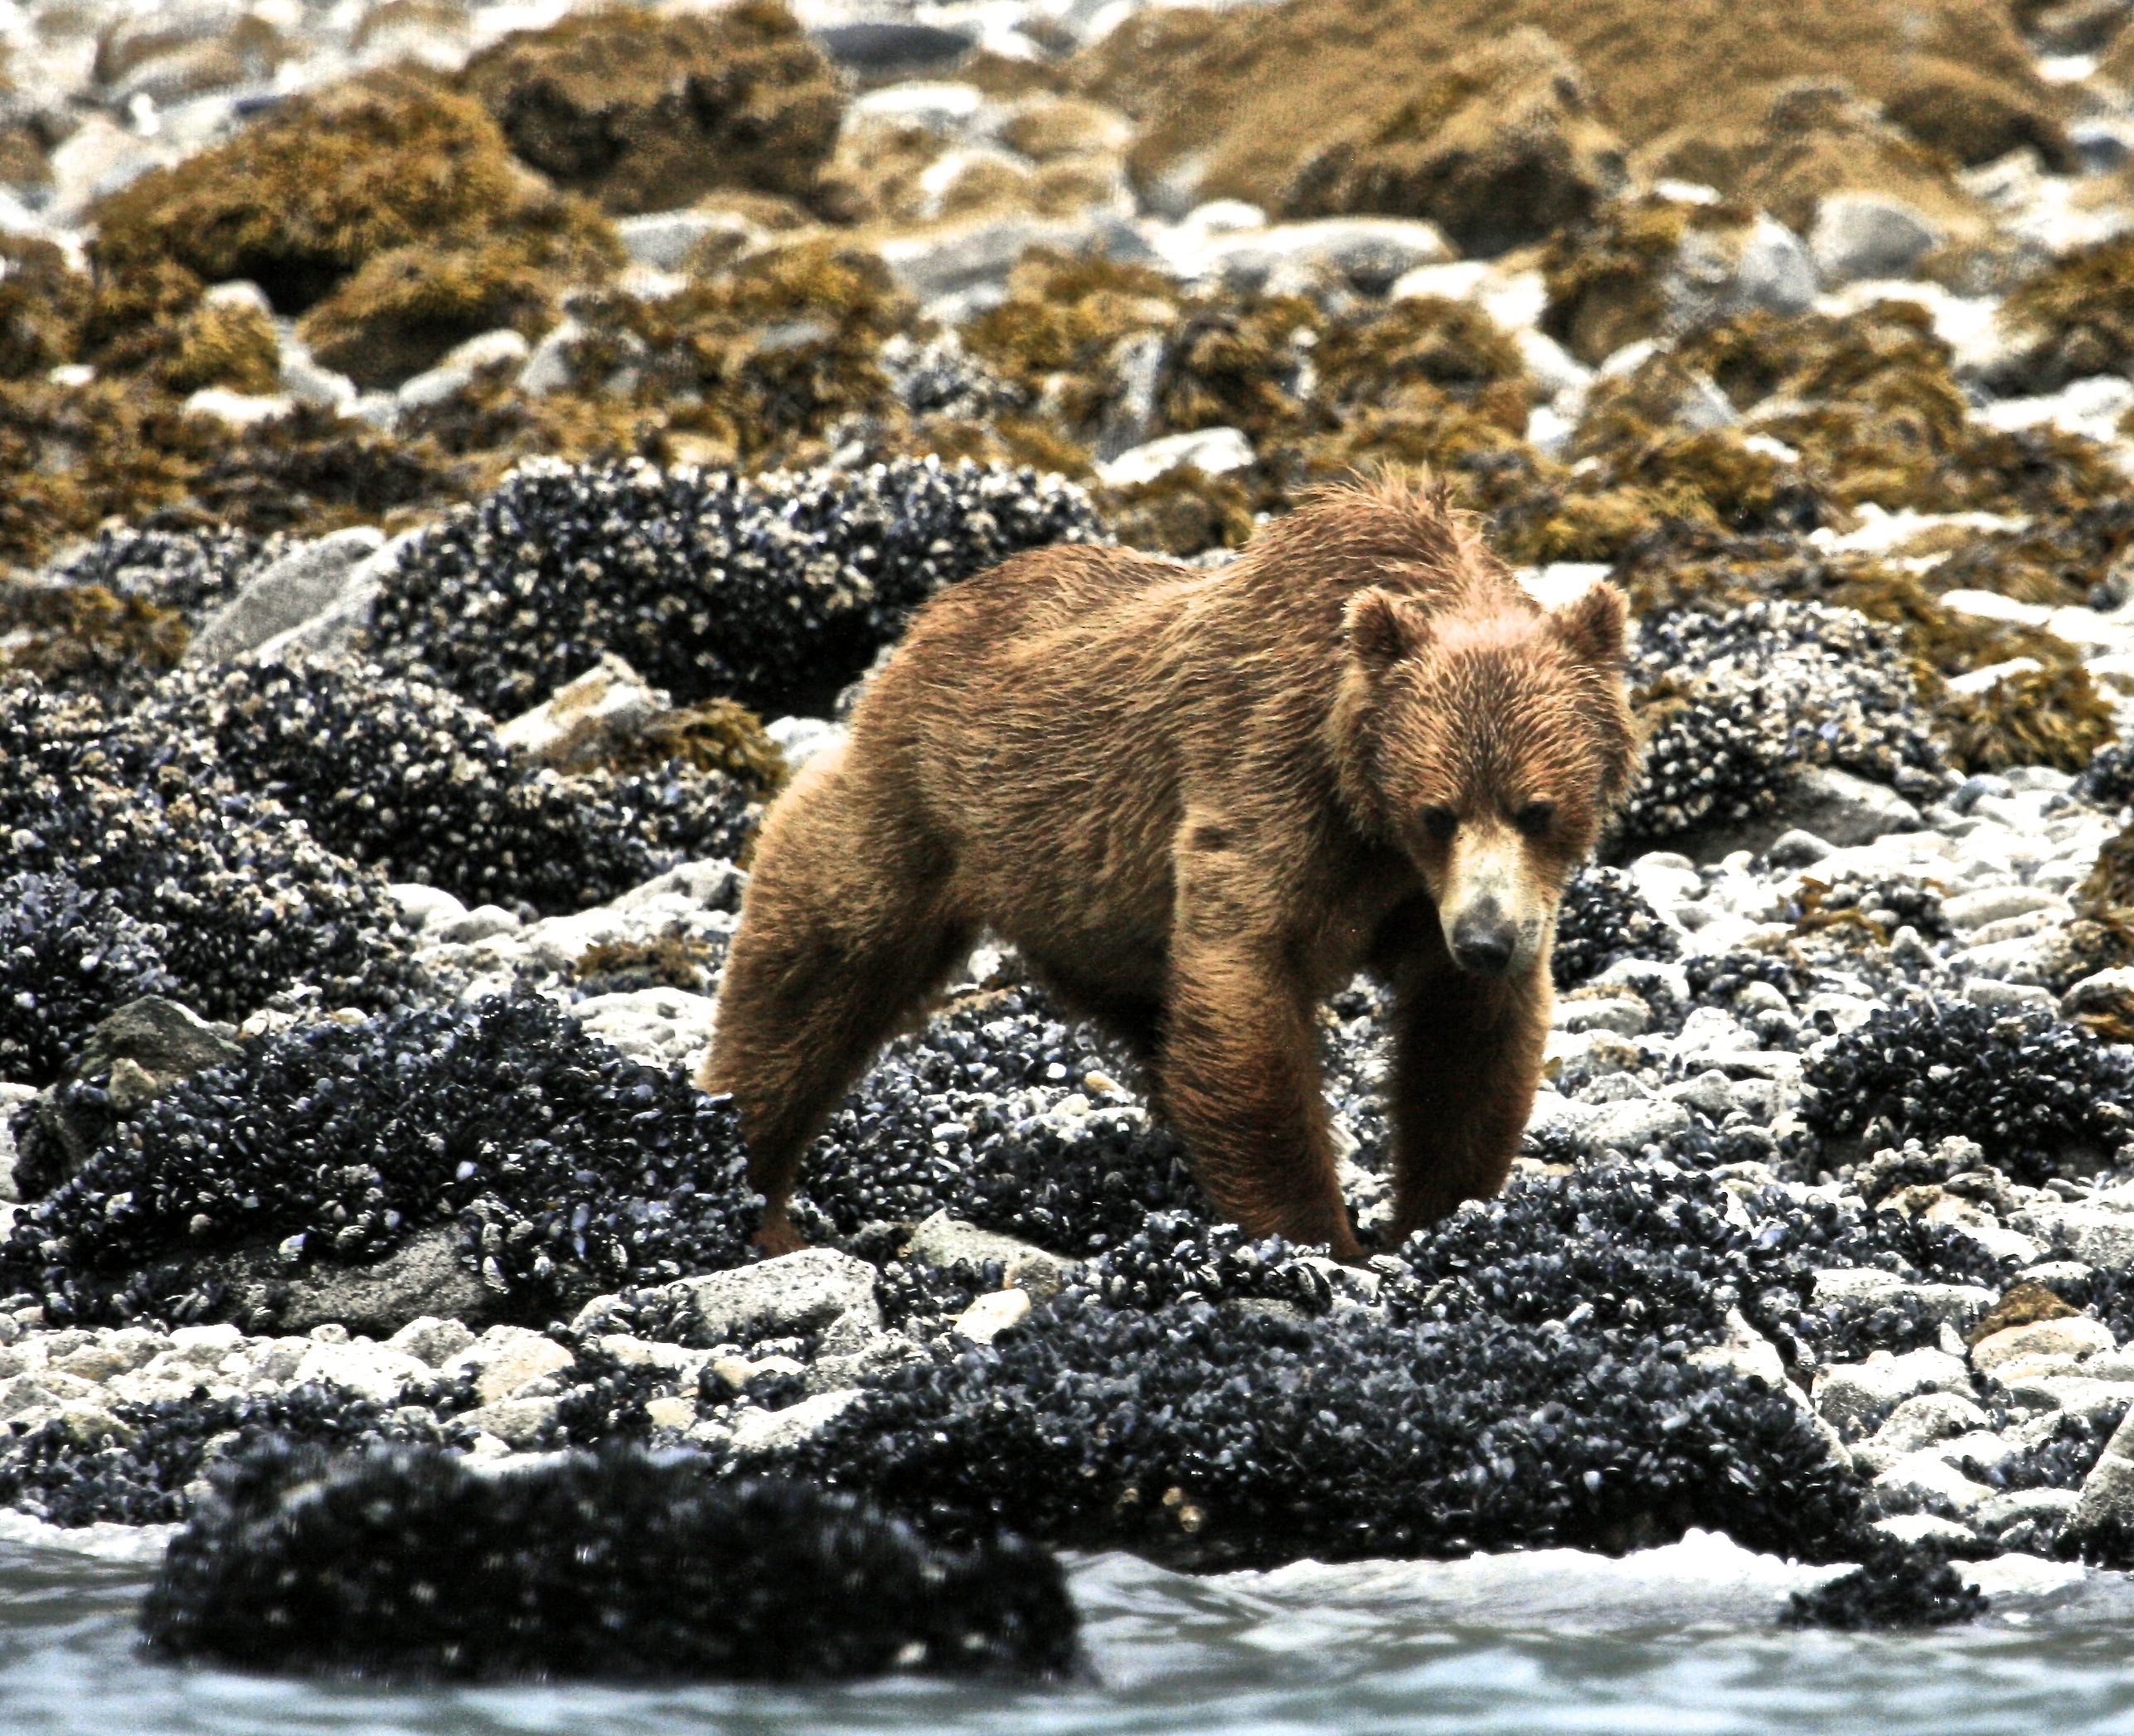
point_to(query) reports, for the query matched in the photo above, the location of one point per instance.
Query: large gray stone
(2106, 1502)
(141, 1051)
(1858, 235)
(954, 262)
(792, 1294)
(1839, 808)
(335, 629)
(1628, 1127)
(946, 1242)
(303, 584)
(424, 1276)
(763, 1433)
(1856, 1397)
(1368, 253)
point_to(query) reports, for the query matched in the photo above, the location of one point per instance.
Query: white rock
(478, 924)
(376, 1370)
(610, 702)
(1857, 1396)
(1926, 1475)
(1626, 1017)
(240, 409)
(992, 1314)
(457, 371)
(520, 1423)
(1627, 1127)
(758, 1433)
(421, 906)
(1859, 235)
(2075, 1335)
(794, 1293)
(664, 240)
(1214, 450)
(1372, 253)
(548, 369)
(946, 109)
(1994, 904)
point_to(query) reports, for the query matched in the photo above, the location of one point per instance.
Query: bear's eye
(1440, 822)
(1535, 818)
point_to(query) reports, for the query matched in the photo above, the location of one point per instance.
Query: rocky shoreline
(432, 538)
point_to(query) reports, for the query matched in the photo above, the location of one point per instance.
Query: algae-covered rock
(299, 201)
(227, 343)
(1499, 148)
(645, 111)
(1655, 267)
(1234, 103)
(749, 363)
(43, 304)
(406, 309)
(82, 637)
(2075, 318)
(2051, 716)
(1804, 140)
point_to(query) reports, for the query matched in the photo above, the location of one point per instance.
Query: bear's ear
(1593, 627)
(1381, 628)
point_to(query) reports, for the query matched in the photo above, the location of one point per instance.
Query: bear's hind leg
(843, 933)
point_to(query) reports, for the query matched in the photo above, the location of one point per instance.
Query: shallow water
(1676, 1641)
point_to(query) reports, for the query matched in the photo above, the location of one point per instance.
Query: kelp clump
(301, 199)
(402, 309)
(2050, 716)
(82, 637)
(1499, 148)
(646, 110)
(2075, 318)
(755, 364)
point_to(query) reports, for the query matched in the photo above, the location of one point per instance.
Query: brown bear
(1198, 801)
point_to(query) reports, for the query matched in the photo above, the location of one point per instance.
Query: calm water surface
(1678, 1640)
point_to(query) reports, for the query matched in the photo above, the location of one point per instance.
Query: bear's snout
(1492, 906)
(1484, 940)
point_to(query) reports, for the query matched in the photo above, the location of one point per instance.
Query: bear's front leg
(1239, 1065)
(1467, 1061)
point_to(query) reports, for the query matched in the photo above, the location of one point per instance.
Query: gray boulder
(947, 1243)
(423, 1277)
(792, 1294)
(1856, 1397)
(2106, 1501)
(1861, 236)
(303, 584)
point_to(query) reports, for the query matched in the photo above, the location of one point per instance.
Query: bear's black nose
(1483, 943)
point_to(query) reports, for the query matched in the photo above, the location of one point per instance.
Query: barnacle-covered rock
(247, 902)
(1603, 918)
(409, 779)
(1733, 702)
(621, 1565)
(67, 957)
(558, 1167)
(2025, 1087)
(1514, 1341)
(193, 571)
(774, 590)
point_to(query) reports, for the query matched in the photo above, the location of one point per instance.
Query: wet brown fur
(1197, 803)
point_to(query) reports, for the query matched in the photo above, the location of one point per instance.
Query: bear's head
(1488, 745)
